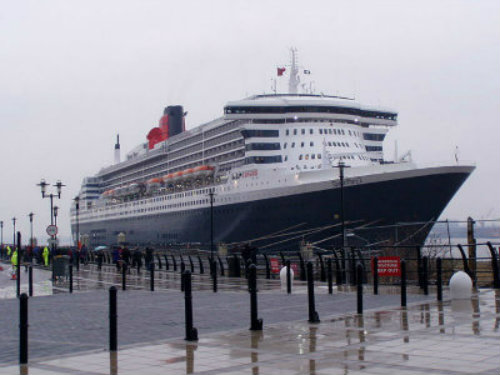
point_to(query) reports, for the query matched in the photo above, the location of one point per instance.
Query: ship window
(293, 144)
(301, 144)
(350, 133)
(303, 131)
(286, 157)
(320, 131)
(313, 156)
(294, 131)
(330, 143)
(311, 131)
(284, 145)
(300, 157)
(311, 144)
(319, 156)
(373, 148)
(287, 132)
(307, 157)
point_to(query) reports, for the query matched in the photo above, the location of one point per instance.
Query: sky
(73, 74)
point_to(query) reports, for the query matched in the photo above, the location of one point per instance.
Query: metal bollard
(330, 276)
(124, 277)
(375, 275)
(191, 264)
(255, 322)
(313, 314)
(70, 269)
(202, 270)
(425, 275)
(214, 277)
(174, 262)
(23, 329)
(288, 278)
(152, 277)
(30, 281)
(167, 266)
(439, 279)
(359, 282)
(191, 332)
(113, 326)
(183, 269)
(403, 283)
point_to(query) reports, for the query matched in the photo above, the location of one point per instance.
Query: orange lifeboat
(153, 184)
(177, 176)
(203, 171)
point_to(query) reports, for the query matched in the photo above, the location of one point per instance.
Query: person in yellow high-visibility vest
(13, 261)
(9, 251)
(45, 255)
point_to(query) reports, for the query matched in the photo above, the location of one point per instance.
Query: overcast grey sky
(75, 73)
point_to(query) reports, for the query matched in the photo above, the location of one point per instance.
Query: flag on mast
(306, 71)
(281, 71)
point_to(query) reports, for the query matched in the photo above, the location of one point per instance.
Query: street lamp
(211, 194)
(1, 229)
(56, 211)
(30, 215)
(77, 208)
(14, 237)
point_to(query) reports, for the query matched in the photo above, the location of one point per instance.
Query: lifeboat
(168, 179)
(203, 171)
(153, 184)
(133, 188)
(189, 173)
(177, 176)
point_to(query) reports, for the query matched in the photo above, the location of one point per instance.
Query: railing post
(70, 268)
(338, 273)
(237, 266)
(255, 323)
(268, 269)
(167, 266)
(302, 267)
(30, 281)
(113, 326)
(322, 275)
(191, 264)
(191, 332)
(330, 275)
(23, 329)
(152, 277)
(221, 265)
(425, 274)
(494, 265)
(313, 314)
(124, 276)
(159, 261)
(419, 267)
(359, 282)
(439, 280)
(403, 283)
(214, 276)
(183, 269)
(288, 278)
(174, 262)
(375, 275)
(202, 269)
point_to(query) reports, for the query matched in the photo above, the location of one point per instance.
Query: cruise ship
(274, 170)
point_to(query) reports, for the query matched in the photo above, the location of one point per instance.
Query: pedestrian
(126, 256)
(116, 258)
(14, 261)
(148, 258)
(138, 259)
(45, 255)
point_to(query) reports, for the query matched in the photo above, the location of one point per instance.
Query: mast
(294, 81)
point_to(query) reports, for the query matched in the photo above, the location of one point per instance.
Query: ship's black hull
(381, 204)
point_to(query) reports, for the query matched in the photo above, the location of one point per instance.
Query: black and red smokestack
(171, 123)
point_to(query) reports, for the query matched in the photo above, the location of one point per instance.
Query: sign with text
(388, 266)
(275, 265)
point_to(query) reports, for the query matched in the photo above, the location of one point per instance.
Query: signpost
(51, 230)
(275, 265)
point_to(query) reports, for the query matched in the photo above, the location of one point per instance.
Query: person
(9, 251)
(137, 258)
(45, 255)
(148, 258)
(117, 258)
(13, 260)
(126, 256)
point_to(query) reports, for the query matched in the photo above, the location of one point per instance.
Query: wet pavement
(68, 333)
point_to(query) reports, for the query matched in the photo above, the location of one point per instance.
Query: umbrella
(101, 248)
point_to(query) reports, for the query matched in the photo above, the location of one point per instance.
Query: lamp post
(43, 187)
(14, 237)
(77, 208)
(211, 194)
(30, 215)
(341, 166)
(1, 231)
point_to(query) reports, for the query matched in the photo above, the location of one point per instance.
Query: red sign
(275, 265)
(388, 266)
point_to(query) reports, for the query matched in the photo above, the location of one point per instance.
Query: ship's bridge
(290, 107)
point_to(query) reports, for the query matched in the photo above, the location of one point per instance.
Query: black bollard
(113, 326)
(494, 265)
(268, 269)
(425, 275)
(214, 276)
(221, 265)
(288, 278)
(99, 262)
(191, 264)
(30, 281)
(191, 332)
(439, 279)
(322, 274)
(183, 268)
(124, 277)
(375, 275)
(237, 266)
(330, 276)
(403, 283)
(338, 273)
(313, 314)
(23, 329)
(70, 269)
(359, 282)
(167, 266)
(18, 268)
(202, 270)
(255, 322)
(152, 277)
